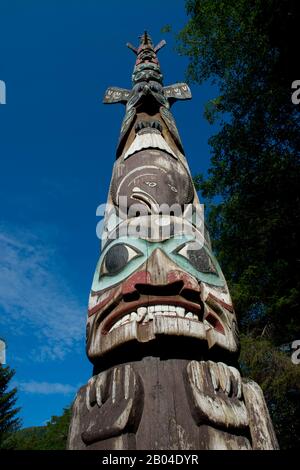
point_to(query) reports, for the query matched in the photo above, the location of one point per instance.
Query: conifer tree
(9, 422)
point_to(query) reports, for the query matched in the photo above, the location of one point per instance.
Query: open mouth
(146, 314)
(144, 318)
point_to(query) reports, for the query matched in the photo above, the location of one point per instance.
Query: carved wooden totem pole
(161, 329)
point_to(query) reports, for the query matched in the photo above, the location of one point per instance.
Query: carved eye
(117, 257)
(198, 257)
(155, 87)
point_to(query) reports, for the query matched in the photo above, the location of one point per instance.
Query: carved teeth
(145, 314)
(150, 312)
(141, 312)
(128, 318)
(125, 319)
(146, 318)
(180, 311)
(118, 323)
(133, 316)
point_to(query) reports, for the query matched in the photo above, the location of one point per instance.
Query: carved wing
(178, 91)
(116, 95)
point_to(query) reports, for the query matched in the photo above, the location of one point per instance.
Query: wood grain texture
(170, 404)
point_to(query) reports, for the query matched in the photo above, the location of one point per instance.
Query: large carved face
(156, 277)
(163, 282)
(151, 177)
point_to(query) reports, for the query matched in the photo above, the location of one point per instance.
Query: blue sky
(57, 147)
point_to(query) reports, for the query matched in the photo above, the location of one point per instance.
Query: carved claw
(214, 390)
(225, 378)
(114, 401)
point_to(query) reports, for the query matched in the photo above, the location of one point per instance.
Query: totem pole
(161, 329)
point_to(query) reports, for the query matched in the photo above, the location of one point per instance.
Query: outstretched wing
(116, 95)
(178, 91)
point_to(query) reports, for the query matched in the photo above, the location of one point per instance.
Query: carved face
(160, 283)
(146, 55)
(146, 87)
(156, 276)
(151, 177)
(147, 71)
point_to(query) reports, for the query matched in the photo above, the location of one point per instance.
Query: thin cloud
(46, 388)
(35, 298)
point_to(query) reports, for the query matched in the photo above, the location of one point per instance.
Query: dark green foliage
(167, 28)
(8, 397)
(248, 49)
(280, 381)
(26, 439)
(255, 162)
(53, 436)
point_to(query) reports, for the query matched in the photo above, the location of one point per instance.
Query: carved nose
(153, 278)
(157, 281)
(161, 276)
(166, 278)
(158, 266)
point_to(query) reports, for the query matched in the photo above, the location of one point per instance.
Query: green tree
(280, 381)
(248, 49)
(52, 436)
(9, 421)
(57, 431)
(255, 164)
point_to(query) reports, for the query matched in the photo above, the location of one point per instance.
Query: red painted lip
(214, 321)
(147, 301)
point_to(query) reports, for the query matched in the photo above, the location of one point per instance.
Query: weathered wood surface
(261, 427)
(170, 404)
(161, 329)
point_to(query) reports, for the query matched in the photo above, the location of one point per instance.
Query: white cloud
(46, 388)
(36, 298)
